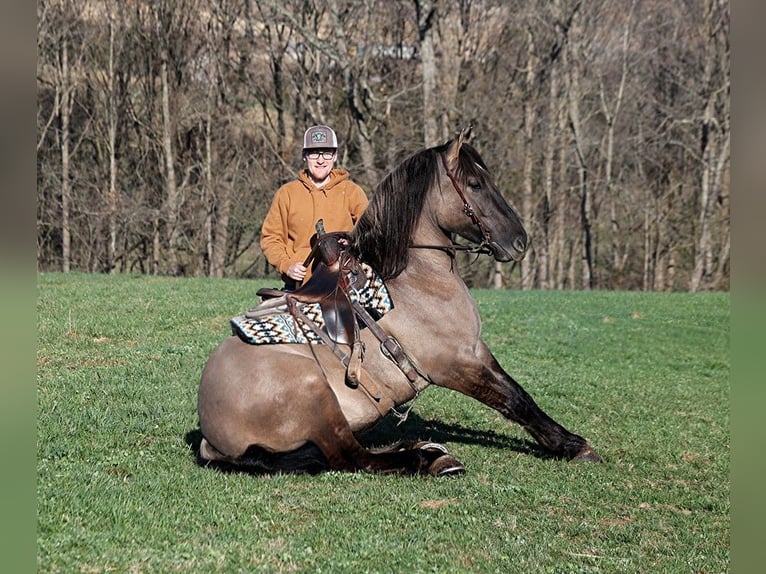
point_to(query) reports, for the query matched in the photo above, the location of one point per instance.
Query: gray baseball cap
(320, 137)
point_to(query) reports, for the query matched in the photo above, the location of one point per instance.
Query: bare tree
(425, 15)
(164, 128)
(530, 122)
(611, 108)
(573, 62)
(108, 78)
(714, 139)
(59, 25)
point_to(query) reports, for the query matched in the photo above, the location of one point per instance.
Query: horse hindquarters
(262, 410)
(272, 398)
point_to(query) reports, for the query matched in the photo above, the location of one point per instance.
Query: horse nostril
(520, 244)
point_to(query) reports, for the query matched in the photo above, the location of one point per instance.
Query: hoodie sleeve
(274, 232)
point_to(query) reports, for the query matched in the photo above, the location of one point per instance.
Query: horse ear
(454, 149)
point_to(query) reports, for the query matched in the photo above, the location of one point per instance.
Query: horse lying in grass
(299, 407)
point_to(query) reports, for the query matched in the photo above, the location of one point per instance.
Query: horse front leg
(332, 434)
(343, 452)
(487, 382)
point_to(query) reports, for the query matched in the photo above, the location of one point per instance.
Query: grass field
(643, 376)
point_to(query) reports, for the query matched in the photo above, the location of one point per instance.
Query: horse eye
(474, 184)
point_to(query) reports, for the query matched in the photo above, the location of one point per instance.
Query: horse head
(477, 211)
(431, 195)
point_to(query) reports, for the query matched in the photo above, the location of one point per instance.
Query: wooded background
(165, 127)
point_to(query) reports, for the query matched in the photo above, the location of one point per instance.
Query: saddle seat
(334, 272)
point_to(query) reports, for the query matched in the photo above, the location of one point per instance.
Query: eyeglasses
(328, 154)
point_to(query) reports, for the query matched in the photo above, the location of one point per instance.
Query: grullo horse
(290, 407)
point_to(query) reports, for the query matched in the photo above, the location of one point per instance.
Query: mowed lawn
(643, 376)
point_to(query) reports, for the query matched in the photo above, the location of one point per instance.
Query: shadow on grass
(417, 428)
(193, 439)
(389, 431)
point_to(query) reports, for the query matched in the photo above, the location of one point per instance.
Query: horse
(288, 408)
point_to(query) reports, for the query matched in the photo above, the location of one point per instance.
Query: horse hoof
(587, 454)
(446, 465)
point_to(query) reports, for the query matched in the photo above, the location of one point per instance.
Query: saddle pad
(281, 327)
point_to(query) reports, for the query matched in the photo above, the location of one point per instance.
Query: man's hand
(296, 271)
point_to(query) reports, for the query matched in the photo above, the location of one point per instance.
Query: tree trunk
(723, 260)
(217, 192)
(544, 247)
(714, 132)
(450, 46)
(497, 275)
(156, 247)
(222, 201)
(279, 101)
(575, 95)
(425, 11)
(530, 118)
(214, 268)
(111, 207)
(66, 184)
(560, 253)
(171, 186)
(647, 262)
(368, 155)
(610, 115)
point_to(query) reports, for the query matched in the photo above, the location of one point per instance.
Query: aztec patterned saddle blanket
(279, 325)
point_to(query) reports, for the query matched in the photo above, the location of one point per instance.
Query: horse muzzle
(515, 252)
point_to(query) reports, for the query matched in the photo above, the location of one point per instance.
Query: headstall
(483, 247)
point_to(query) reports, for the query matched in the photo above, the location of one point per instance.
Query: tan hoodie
(295, 209)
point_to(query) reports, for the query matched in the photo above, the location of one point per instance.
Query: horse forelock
(383, 234)
(470, 163)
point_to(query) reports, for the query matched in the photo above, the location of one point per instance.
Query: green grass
(645, 377)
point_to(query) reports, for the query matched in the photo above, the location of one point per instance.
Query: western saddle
(336, 273)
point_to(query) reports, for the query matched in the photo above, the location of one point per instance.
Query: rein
(483, 247)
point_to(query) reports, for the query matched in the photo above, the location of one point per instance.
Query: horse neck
(431, 297)
(431, 272)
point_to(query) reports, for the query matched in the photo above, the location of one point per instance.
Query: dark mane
(381, 237)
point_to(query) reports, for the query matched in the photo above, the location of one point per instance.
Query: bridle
(483, 247)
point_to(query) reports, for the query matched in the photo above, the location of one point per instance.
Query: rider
(320, 191)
